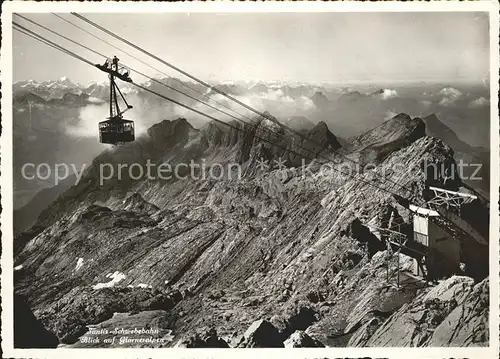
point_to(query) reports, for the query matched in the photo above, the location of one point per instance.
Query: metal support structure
(446, 198)
(116, 130)
(115, 71)
(399, 240)
(114, 109)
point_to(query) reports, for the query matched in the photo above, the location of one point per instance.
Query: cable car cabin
(116, 130)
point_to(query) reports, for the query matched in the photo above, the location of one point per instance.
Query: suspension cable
(204, 95)
(243, 130)
(148, 77)
(270, 118)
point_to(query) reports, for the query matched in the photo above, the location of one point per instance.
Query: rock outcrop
(300, 339)
(206, 338)
(70, 316)
(321, 135)
(261, 334)
(320, 100)
(377, 143)
(451, 314)
(29, 332)
(476, 160)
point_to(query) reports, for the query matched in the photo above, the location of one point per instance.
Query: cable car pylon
(116, 129)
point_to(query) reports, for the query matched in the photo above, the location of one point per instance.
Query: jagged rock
(135, 203)
(300, 339)
(94, 212)
(351, 96)
(205, 338)
(320, 100)
(467, 324)
(315, 296)
(357, 230)
(295, 316)
(155, 324)
(365, 332)
(360, 297)
(29, 332)
(455, 312)
(216, 135)
(376, 144)
(202, 214)
(322, 135)
(69, 316)
(261, 334)
(166, 131)
(213, 133)
(216, 294)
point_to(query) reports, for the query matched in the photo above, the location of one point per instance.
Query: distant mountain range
(62, 123)
(57, 88)
(47, 89)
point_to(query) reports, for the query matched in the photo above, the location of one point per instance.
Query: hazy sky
(315, 47)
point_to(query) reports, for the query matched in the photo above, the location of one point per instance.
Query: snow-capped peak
(65, 81)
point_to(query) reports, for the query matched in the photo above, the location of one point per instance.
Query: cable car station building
(443, 250)
(452, 245)
(448, 235)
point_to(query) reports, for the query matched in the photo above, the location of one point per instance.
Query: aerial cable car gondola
(116, 129)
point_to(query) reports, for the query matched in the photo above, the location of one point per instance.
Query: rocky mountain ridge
(476, 171)
(269, 259)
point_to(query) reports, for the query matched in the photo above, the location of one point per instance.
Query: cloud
(450, 92)
(274, 101)
(95, 100)
(146, 111)
(447, 102)
(450, 96)
(388, 93)
(150, 110)
(480, 102)
(87, 124)
(426, 103)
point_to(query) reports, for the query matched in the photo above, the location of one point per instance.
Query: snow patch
(19, 267)
(142, 285)
(79, 264)
(116, 277)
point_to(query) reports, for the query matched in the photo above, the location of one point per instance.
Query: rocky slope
(275, 258)
(476, 172)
